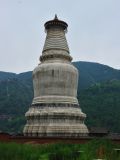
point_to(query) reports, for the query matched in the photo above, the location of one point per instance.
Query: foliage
(88, 151)
(101, 103)
(15, 98)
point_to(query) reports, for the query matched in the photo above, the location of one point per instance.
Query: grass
(99, 148)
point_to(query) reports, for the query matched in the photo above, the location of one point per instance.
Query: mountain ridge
(16, 93)
(8, 72)
(89, 73)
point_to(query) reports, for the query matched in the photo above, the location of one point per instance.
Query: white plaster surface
(55, 82)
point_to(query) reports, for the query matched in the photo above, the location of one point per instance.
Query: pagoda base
(55, 120)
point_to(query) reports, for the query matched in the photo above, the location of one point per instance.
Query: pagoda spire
(55, 38)
(56, 18)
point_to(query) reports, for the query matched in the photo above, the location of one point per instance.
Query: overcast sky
(93, 31)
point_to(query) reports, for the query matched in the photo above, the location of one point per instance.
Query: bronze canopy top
(55, 23)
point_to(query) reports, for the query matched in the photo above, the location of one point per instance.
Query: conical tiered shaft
(56, 40)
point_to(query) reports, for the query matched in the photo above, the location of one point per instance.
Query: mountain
(22, 76)
(15, 98)
(16, 93)
(101, 103)
(92, 73)
(6, 75)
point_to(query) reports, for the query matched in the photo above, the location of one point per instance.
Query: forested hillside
(98, 93)
(92, 73)
(101, 103)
